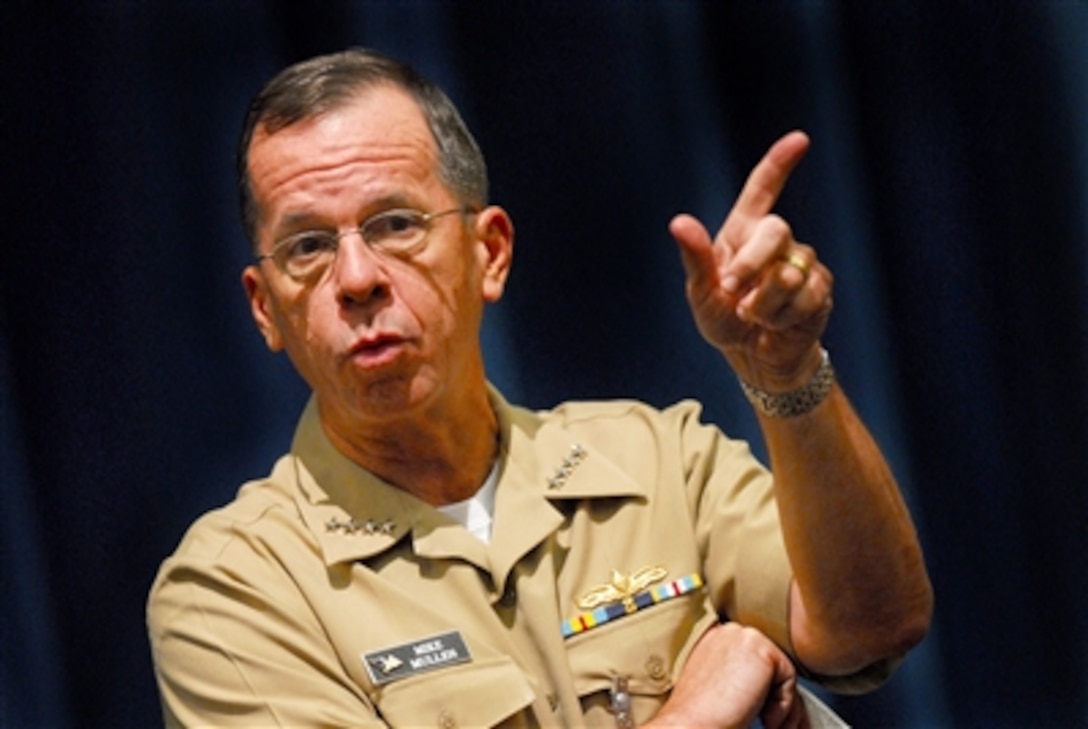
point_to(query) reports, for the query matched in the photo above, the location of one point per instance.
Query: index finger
(764, 185)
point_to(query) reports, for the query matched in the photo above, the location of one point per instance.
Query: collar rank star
(353, 526)
(566, 468)
(408, 659)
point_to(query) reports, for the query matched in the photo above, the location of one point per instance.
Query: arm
(733, 675)
(860, 592)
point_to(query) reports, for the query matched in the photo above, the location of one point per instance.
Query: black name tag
(408, 659)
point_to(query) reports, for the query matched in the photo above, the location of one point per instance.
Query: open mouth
(377, 351)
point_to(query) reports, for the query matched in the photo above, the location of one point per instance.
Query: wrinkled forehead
(378, 126)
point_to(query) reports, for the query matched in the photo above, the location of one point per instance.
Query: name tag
(408, 659)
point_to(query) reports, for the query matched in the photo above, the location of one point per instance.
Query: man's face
(375, 336)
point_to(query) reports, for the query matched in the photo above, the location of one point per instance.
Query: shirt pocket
(647, 647)
(482, 693)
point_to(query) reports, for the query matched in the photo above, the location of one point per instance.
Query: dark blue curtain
(947, 188)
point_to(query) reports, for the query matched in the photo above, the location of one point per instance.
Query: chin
(396, 395)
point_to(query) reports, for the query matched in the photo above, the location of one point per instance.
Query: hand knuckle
(776, 226)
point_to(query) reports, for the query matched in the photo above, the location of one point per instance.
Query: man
(428, 554)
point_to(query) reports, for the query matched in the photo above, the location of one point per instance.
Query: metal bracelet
(798, 402)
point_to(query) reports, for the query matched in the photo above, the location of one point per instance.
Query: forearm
(861, 591)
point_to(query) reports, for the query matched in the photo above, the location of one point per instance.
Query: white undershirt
(476, 513)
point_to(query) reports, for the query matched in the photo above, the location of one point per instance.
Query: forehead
(379, 129)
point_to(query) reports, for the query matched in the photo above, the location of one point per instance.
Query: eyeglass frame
(425, 219)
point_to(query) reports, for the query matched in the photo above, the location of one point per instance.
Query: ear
(495, 236)
(260, 303)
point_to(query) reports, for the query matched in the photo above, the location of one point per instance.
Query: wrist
(794, 402)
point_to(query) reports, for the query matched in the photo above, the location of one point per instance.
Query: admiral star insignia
(577, 454)
(352, 526)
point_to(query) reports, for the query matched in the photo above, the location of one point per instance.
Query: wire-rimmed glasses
(400, 232)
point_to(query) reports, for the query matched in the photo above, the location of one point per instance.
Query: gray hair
(326, 83)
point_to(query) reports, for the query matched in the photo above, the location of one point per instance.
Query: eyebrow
(296, 220)
(292, 222)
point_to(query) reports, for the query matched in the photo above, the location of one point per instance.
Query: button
(655, 666)
(509, 596)
(446, 720)
(553, 701)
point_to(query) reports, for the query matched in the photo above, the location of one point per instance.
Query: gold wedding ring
(799, 262)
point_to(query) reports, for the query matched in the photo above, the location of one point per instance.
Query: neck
(439, 457)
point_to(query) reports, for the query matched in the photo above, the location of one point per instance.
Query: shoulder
(622, 414)
(605, 420)
(227, 550)
(235, 570)
(643, 438)
(260, 509)
(630, 424)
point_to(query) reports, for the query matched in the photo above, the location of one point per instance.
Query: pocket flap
(481, 693)
(647, 647)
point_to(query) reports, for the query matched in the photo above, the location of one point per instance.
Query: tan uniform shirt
(324, 596)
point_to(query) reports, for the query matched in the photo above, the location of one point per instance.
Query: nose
(358, 273)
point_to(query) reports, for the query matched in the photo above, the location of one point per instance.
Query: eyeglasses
(400, 233)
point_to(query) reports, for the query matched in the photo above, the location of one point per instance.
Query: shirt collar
(555, 460)
(354, 514)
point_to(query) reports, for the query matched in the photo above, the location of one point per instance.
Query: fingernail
(731, 284)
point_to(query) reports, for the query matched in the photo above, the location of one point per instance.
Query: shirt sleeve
(740, 536)
(737, 528)
(233, 644)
